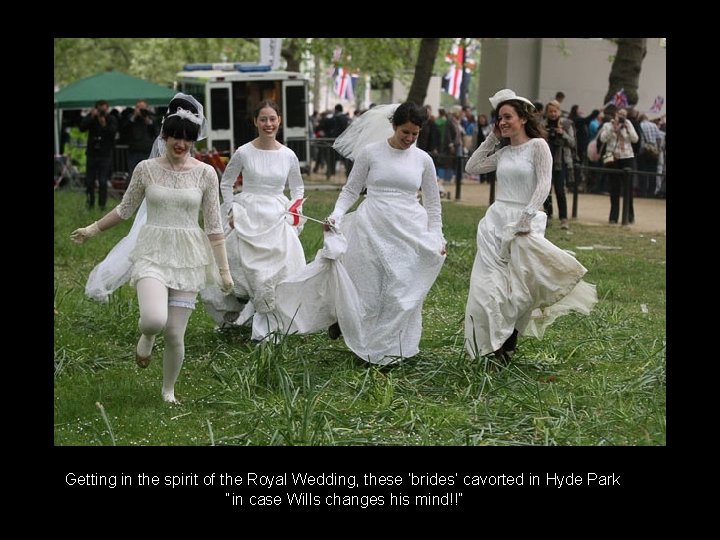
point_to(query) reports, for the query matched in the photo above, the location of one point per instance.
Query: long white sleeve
(232, 171)
(542, 163)
(431, 197)
(295, 181)
(484, 159)
(354, 186)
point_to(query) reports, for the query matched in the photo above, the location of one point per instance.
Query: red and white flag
(452, 81)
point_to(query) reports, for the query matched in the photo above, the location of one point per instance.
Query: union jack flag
(345, 83)
(453, 78)
(620, 100)
(657, 104)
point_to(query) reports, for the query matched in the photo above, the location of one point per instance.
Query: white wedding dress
(375, 288)
(518, 282)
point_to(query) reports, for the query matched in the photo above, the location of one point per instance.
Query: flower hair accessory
(187, 115)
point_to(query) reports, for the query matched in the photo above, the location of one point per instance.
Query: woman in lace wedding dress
(520, 281)
(394, 246)
(172, 258)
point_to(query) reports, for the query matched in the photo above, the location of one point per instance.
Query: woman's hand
(83, 233)
(329, 225)
(227, 281)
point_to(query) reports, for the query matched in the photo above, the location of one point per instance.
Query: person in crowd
(101, 127)
(172, 259)
(647, 160)
(333, 126)
(393, 245)
(429, 137)
(265, 244)
(141, 132)
(559, 98)
(561, 139)
(453, 148)
(440, 123)
(520, 281)
(618, 136)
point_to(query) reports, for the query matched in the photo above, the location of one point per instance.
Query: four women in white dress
(378, 263)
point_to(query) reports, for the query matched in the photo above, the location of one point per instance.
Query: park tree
(154, 59)
(76, 58)
(427, 55)
(625, 70)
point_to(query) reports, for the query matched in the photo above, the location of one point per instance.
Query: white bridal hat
(506, 95)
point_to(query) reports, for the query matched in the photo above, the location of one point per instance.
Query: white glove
(80, 235)
(227, 281)
(218, 247)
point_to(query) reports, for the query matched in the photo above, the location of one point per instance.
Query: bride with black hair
(170, 258)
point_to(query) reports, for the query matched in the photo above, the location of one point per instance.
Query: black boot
(334, 331)
(510, 344)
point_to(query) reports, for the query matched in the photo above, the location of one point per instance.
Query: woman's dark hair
(180, 128)
(610, 112)
(592, 116)
(266, 103)
(409, 112)
(533, 128)
(177, 127)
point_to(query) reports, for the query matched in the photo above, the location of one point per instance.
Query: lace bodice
(380, 167)
(174, 197)
(524, 173)
(264, 171)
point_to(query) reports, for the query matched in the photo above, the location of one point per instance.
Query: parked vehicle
(230, 93)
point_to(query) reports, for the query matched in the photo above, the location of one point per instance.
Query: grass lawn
(595, 380)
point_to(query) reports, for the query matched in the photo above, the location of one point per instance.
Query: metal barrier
(120, 158)
(625, 191)
(627, 184)
(460, 162)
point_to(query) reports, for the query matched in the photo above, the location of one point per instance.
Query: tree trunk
(423, 70)
(291, 56)
(625, 72)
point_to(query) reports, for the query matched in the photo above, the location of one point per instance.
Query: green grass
(595, 380)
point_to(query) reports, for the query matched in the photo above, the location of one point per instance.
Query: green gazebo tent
(114, 87)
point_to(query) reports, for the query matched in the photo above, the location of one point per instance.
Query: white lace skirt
(180, 258)
(519, 282)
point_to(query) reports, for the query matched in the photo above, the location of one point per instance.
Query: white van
(230, 92)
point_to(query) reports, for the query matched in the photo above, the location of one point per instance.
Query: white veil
(114, 270)
(373, 125)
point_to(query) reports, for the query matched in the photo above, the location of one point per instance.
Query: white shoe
(245, 315)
